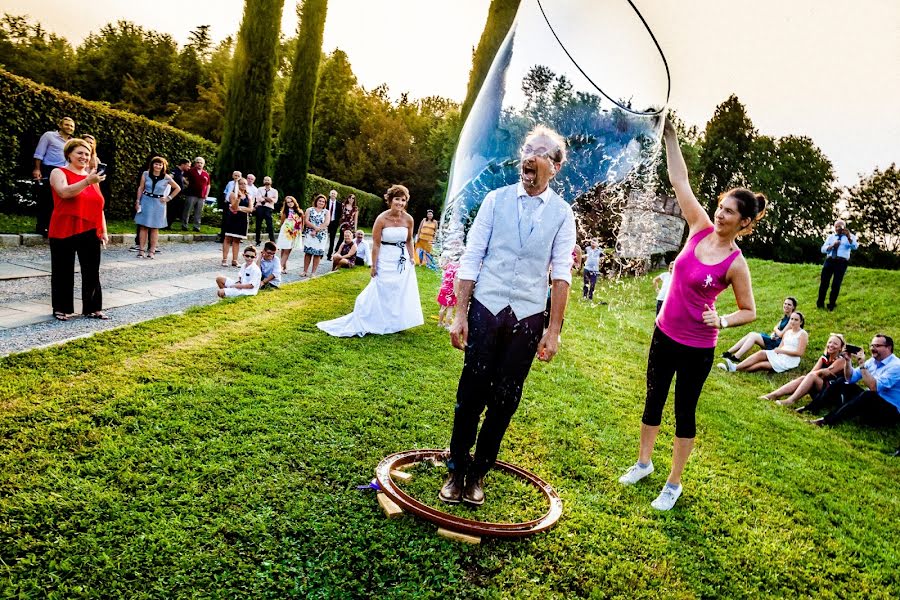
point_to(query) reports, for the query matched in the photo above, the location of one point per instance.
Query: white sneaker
(667, 497)
(727, 366)
(635, 473)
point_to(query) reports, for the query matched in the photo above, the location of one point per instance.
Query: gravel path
(119, 269)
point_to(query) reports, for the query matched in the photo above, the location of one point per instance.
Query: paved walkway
(181, 276)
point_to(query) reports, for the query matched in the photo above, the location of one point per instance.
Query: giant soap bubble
(589, 69)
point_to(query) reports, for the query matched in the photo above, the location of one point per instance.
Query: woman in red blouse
(78, 226)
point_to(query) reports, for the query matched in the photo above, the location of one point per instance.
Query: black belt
(154, 195)
(402, 245)
(840, 258)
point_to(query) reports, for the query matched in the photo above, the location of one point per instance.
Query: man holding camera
(836, 249)
(879, 402)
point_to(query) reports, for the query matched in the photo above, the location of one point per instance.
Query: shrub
(370, 205)
(125, 141)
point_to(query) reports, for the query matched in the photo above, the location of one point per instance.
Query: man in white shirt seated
(362, 249)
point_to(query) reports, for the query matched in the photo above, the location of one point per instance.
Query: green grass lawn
(215, 454)
(25, 224)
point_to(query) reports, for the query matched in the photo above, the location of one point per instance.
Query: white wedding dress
(390, 303)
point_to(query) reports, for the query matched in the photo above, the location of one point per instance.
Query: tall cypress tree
(295, 139)
(501, 14)
(247, 133)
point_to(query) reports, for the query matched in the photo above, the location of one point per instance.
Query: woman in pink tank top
(684, 340)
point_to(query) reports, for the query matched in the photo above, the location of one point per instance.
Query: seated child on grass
(247, 283)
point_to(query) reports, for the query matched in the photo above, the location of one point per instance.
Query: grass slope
(215, 454)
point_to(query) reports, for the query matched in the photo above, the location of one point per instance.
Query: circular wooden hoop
(459, 524)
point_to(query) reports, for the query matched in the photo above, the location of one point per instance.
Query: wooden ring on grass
(459, 524)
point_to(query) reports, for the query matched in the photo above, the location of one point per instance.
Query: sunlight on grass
(216, 454)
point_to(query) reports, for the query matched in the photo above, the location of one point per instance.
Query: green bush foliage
(370, 205)
(125, 141)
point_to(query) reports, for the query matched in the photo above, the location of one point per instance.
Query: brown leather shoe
(451, 493)
(474, 492)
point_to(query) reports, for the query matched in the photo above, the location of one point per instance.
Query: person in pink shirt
(684, 340)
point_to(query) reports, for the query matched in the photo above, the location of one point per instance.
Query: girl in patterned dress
(291, 234)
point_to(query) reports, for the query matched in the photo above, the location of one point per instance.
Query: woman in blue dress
(156, 189)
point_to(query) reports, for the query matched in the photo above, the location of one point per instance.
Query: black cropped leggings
(669, 359)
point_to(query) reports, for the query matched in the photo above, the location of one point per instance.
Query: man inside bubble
(519, 233)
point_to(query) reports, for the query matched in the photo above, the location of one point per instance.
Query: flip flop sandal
(60, 316)
(98, 315)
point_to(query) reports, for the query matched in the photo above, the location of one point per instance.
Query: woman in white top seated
(783, 358)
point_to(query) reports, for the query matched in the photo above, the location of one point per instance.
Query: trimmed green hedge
(370, 205)
(125, 141)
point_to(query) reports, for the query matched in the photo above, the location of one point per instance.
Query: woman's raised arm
(693, 212)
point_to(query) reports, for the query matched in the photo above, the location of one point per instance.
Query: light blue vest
(514, 272)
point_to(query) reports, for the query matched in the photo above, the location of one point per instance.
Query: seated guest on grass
(762, 339)
(247, 283)
(345, 256)
(879, 401)
(269, 267)
(829, 366)
(783, 358)
(362, 249)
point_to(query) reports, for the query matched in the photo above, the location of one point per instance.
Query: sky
(823, 69)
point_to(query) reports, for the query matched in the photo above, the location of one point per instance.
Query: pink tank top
(694, 285)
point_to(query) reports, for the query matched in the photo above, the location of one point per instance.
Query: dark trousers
(264, 213)
(852, 402)
(44, 201)
(499, 354)
(332, 234)
(174, 209)
(62, 272)
(667, 359)
(659, 304)
(835, 267)
(590, 280)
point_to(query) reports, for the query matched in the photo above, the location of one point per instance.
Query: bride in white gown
(390, 302)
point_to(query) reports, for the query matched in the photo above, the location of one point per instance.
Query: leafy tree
(130, 67)
(338, 114)
(874, 208)
(296, 135)
(247, 134)
(725, 150)
(192, 71)
(501, 14)
(205, 114)
(798, 180)
(29, 50)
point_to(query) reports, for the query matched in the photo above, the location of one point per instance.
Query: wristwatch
(723, 323)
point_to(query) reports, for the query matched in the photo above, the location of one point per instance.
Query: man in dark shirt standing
(176, 205)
